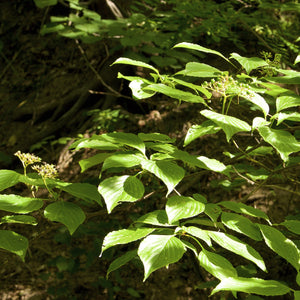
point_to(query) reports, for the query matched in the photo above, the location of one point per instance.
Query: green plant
(239, 105)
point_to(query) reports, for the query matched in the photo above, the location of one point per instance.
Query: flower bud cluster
(27, 158)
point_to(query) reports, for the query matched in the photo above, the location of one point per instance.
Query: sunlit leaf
(216, 265)
(252, 286)
(44, 3)
(292, 225)
(157, 218)
(292, 116)
(93, 161)
(21, 219)
(281, 245)
(67, 213)
(283, 141)
(138, 92)
(124, 236)
(258, 100)
(157, 251)
(235, 245)
(284, 102)
(249, 63)
(180, 207)
(120, 189)
(196, 69)
(197, 232)
(128, 61)
(18, 204)
(13, 242)
(122, 160)
(230, 125)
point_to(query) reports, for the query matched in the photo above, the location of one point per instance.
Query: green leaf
(212, 164)
(293, 116)
(128, 139)
(128, 61)
(180, 207)
(93, 161)
(252, 286)
(196, 69)
(230, 125)
(197, 232)
(138, 92)
(297, 59)
(292, 225)
(281, 245)
(124, 236)
(155, 137)
(175, 93)
(283, 141)
(216, 265)
(167, 171)
(122, 160)
(199, 48)
(236, 246)
(157, 251)
(19, 219)
(157, 218)
(83, 191)
(120, 189)
(284, 102)
(297, 293)
(249, 63)
(241, 224)
(44, 3)
(13, 242)
(244, 209)
(213, 211)
(94, 142)
(67, 213)
(196, 131)
(17, 204)
(8, 178)
(121, 261)
(257, 100)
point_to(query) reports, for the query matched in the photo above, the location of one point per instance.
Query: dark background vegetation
(55, 86)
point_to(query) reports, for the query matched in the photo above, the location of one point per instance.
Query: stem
(224, 104)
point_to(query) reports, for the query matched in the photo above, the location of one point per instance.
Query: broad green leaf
(230, 125)
(291, 78)
(212, 164)
(216, 265)
(94, 142)
(258, 100)
(83, 191)
(259, 122)
(19, 219)
(13, 242)
(199, 48)
(167, 171)
(283, 141)
(194, 87)
(244, 209)
(8, 178)
(281, 245)
(252, 286)
(128, 61)
(284, 102)
(197, 232)
(155, 137)
(297, 293)
(180, 207)
(138, 92)
(93, 161)
(44, 3)
(120, 189)
(196, 69)
(121, 261)
(196, 131)
(67, 213)
(128, 139)
(213, 211)
(175, 93)
(124, 236)
(241, 224)
(18, 204)
(249, 63)
(292, 116)
(122, 160)
(158, 251)
(297, 59)
(292, 225)
(157, 218)
(236, 246)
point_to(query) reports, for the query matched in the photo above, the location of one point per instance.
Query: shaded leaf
(13, 242)
(196, 69)
(292, 225)
(8, 178)
(122, 160)
(19, 219)
(157, 218)
(157, 251)
(128, 61)
(67, 213)
(93, 161)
